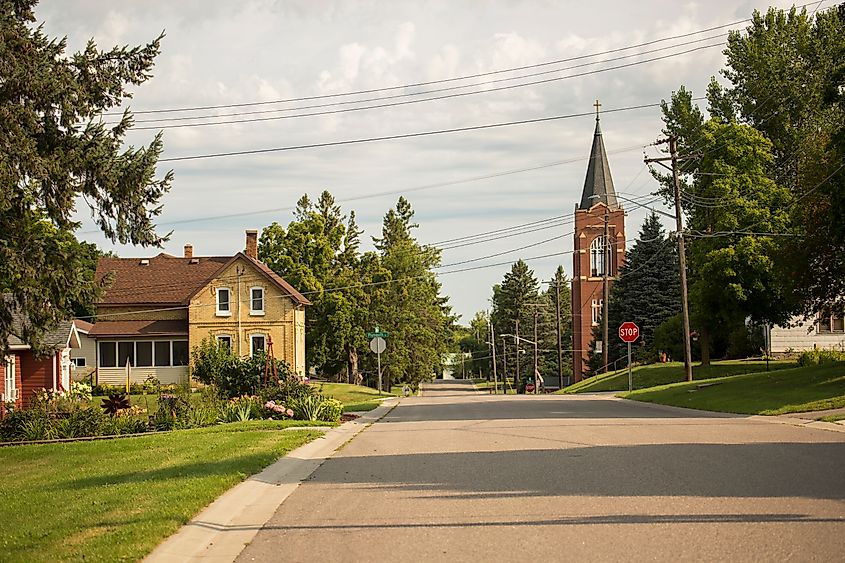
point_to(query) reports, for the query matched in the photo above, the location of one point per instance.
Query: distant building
(593, 255)
(821, 331)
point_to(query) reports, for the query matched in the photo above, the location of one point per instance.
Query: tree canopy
(55, 152)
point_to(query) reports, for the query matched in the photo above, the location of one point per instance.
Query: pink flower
(290, 413)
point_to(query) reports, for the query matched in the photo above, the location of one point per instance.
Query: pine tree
(56, 150)
(512, 314)
(647, 291)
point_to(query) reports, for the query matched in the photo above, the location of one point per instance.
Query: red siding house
(22, 372)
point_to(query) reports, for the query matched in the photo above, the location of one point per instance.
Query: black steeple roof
(598, 182)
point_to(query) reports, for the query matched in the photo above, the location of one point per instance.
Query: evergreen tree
(55, 149)
(413, 311)
(647, 291)
(512, 313)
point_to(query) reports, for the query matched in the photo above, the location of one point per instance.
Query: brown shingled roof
(139, 328)
(169, 280)
(164, 280)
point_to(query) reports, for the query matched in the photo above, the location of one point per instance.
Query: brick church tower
(595, 263)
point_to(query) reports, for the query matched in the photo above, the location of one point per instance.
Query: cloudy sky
(460, 184)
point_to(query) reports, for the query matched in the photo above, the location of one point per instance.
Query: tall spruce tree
(416, 315)
(647, 291)
(56, 148)
(513, 315)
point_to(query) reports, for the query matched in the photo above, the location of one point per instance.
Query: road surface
(456, 475)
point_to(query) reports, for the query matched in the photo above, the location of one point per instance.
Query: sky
(460, 184)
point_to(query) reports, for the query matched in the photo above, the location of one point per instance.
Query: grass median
(769, 393)
(115, 500)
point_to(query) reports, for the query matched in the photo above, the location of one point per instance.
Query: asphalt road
(459, 476)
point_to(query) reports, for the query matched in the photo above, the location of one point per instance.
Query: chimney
(252, 243)
(189, 251)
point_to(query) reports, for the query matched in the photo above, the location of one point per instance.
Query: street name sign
(381, 334)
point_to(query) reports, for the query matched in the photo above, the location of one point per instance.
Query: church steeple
(598, 182)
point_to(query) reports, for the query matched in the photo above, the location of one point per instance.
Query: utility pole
(516, 340)
(559, 340)
(682, 257)
(493, 350)
(536, 351)
(504, 366)
(605, 349)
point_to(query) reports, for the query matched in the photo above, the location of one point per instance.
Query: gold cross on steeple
(597, 105)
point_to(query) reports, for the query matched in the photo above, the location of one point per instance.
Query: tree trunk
(352, 375)
(705, 347)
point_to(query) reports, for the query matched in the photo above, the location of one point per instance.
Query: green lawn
(652, 375)
(355, 398)
(115, 500)
(770, 393)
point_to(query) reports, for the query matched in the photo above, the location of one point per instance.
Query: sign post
(629, 332)
(378, 345)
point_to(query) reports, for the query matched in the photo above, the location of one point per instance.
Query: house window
(256, 301)
(108, 354)
(225, 341)
(10, 392)
(162, 353)
(838, 324)
(824, 323)
(180, 352)
(599, 259)
(144, 354)
(223, 304)
(79, 362)
(257, 344)
(125, 353)
(596, 309)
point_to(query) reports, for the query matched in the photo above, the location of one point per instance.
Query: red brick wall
(589, 224)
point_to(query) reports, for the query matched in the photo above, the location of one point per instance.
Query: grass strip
(768, 393)
(116, 500)
(652, 375)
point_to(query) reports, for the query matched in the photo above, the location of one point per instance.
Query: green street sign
(381, 334)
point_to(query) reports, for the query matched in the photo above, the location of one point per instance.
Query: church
(599, 251)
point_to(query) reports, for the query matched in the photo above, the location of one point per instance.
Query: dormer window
(256, 301)
(224, 308)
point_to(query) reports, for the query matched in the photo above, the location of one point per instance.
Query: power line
(416, 101)
(433, 82)
(402, 135)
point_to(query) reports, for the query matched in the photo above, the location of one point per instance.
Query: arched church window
(599, 259)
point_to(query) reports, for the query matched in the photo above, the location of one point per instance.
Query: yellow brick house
(156, 310)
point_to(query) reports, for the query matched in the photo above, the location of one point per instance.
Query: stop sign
(629, 332)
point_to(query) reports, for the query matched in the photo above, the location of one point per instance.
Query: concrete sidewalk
(221, 531)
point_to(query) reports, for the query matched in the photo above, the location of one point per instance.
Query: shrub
(330, 410)
(272, 409)
(212, 364)
(20, 424)
(80, 391)
(818, 357)
(285, 390)
(307, 407)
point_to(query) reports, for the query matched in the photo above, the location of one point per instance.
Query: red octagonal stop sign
(629, 332)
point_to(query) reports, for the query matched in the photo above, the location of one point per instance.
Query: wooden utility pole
(536, 352)
(516, 341)
(504, 366)
(682, 257)
(605, 349)
(493, 351)
(559, 339)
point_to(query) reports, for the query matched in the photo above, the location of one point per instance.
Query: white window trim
(10, 389)
(217, 302)
(596, 311)
(257, 312)
(253, 335)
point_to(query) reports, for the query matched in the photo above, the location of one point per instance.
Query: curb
(224, 528)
